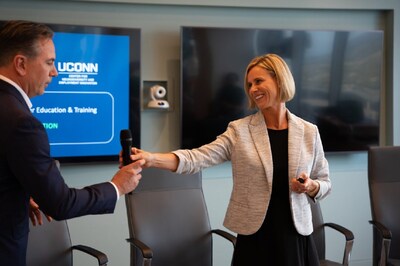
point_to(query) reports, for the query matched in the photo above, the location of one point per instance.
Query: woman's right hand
(141, 154)
(137, 154)
(168, 160)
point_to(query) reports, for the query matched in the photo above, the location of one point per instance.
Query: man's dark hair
(19, 36)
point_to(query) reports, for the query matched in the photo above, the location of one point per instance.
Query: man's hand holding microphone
(128, 177)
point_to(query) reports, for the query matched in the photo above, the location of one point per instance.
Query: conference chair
(319, 237)
(50, 244)
(384, 192)
(168, 221)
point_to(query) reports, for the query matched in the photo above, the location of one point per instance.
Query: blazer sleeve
(216, 152)
(30, 162)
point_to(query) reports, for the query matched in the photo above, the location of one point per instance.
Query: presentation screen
(338, 76)
(95, 95)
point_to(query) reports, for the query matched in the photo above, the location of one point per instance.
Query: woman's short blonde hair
(279, 69)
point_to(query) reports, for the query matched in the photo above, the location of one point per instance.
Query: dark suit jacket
(26, 169)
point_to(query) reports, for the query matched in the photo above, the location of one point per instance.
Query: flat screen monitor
(95, 95)
(337, 75)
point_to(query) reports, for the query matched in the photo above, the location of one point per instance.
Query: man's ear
(20, 62)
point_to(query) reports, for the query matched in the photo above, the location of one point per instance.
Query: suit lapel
(6, 87)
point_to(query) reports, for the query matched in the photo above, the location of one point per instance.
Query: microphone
(126, 143)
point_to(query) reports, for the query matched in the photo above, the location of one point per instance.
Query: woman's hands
(304, 184)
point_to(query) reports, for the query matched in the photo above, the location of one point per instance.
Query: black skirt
(277, 242)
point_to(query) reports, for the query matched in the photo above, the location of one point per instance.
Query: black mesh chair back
(384, 191)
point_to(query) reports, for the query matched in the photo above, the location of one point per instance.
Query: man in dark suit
(27, 171)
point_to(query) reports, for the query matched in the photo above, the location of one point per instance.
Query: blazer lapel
(259, 134)
(296, 133)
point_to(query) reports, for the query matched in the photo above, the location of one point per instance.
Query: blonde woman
(278, 163)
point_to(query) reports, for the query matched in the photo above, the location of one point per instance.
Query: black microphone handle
(126, 143)
(126, 154)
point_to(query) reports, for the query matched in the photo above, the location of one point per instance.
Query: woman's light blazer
(246, 144)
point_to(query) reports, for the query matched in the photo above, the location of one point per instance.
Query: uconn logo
(77, 67)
